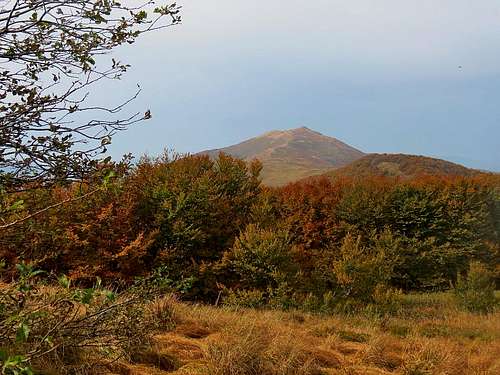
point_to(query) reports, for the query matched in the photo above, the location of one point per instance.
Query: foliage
(361, 271)
(183, 212)
(261, 258)
(476, 291)
(203, 227)
(61, 324)
(51, 54)
(402, 166)
(249, 298)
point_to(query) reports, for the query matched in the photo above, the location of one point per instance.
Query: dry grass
(430, 336)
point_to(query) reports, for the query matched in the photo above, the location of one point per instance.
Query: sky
(417, 77)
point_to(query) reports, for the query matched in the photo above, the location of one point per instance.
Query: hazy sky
(381, 75)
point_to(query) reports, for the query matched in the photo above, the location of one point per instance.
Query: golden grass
(430, 336)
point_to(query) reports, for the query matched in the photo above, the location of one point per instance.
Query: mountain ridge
(300, 153)
(289, 155)
(402, 166)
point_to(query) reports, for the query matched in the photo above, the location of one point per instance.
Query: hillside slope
(293, 154)
(401, 165)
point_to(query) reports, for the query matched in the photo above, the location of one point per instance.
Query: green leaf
(108, 178)
(110, 296)
(64, 281)
(16, 206)
(23, 268)
(84, 296)
(22, 333)
(13, 362)
(36, 273)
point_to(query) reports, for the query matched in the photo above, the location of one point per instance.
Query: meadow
(428, 334)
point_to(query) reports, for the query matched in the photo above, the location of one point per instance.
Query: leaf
(108, 177)
(84, 296)
(37, 272)
(110, 296)
(22, 333)
(64, 281)
(23, 268)
(18, 205)
(88, 296)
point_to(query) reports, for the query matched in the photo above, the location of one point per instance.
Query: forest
(215, 233)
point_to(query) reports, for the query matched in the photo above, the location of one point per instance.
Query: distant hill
(290, 155)
(401, 165)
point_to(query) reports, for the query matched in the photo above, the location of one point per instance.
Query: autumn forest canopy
(212, 229)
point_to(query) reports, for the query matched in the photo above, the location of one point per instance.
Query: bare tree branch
(48, 53)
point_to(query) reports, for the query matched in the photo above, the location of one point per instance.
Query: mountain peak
(288, 155)
(304, 130)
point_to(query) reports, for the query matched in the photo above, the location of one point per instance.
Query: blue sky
(381, 75)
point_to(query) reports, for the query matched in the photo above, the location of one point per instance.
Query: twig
(69, 200)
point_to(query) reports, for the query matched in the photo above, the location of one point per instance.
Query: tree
(51, 53)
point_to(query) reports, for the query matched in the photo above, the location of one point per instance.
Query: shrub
(63, 326)
(282, 297)
(387, 299)
(476, 291)
(361, 270)
(251, 298)
(212, 224)
(183, 211)
(261, 258)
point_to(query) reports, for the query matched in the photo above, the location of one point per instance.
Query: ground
(430, 335)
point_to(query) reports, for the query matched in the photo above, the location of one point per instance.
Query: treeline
(209, 230)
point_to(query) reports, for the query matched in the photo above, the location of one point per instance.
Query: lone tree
(50, 54)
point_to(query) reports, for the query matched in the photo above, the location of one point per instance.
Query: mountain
(290, 155)
(401, 165)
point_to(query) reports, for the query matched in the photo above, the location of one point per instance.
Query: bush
(182, 211)
(476, 291)
(360, 270)
(211, 225)
(387, 299)
(261, 258)
(63, 326)
(252, 298)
